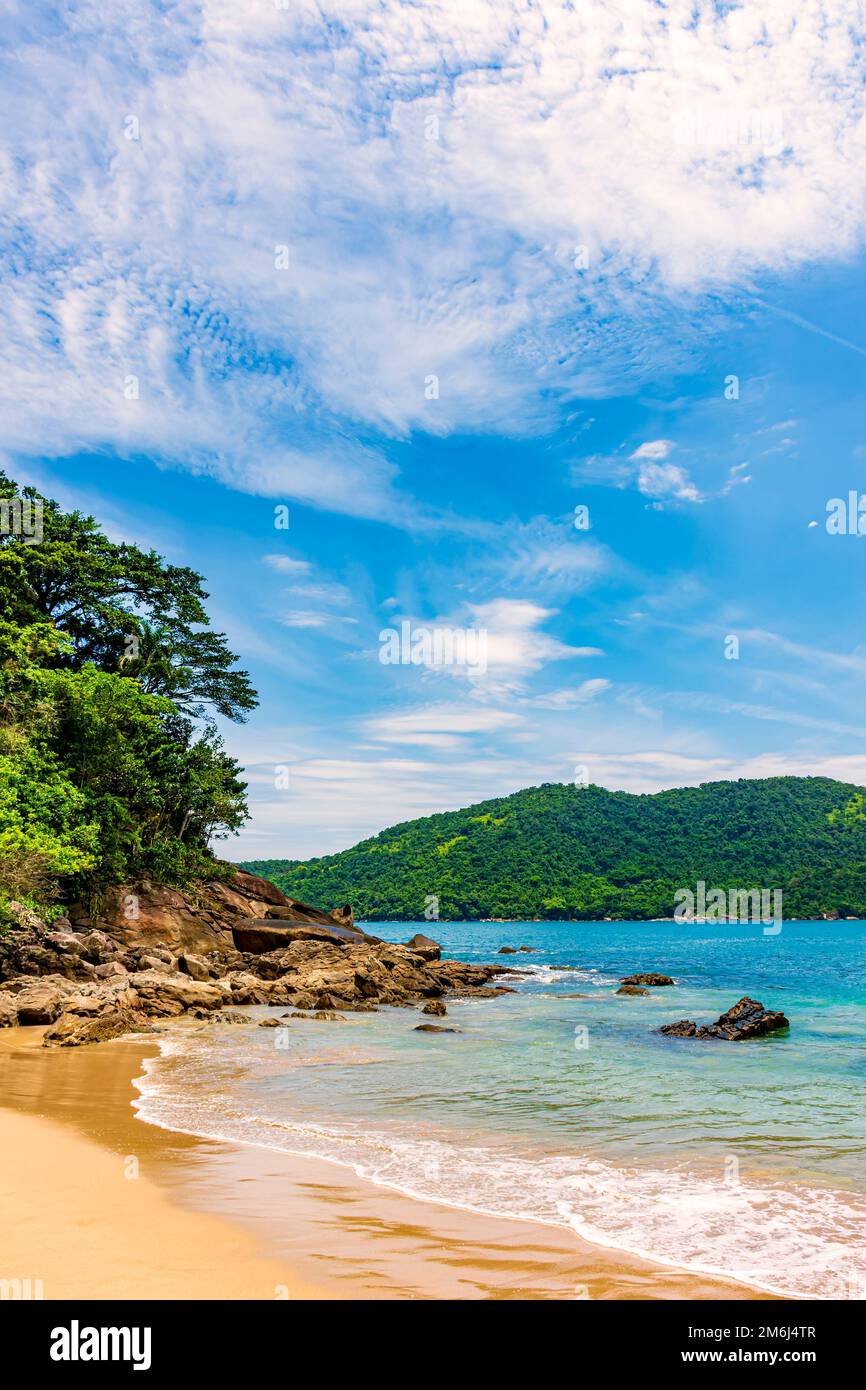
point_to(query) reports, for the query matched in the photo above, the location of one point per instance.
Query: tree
(122, 608)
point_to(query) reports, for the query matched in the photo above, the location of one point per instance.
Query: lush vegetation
(559, 851)
(110, 676)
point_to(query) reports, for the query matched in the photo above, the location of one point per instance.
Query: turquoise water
(742, 1159)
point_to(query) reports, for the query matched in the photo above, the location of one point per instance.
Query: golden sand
(210, 1220)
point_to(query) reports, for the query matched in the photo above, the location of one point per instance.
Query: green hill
(560, 851)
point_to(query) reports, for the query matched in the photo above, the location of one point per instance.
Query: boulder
(424, 947)
(66, 942)
(685, 1028)
(261, 936)
(71, 1030)
(631, 989)
(193, 966)
(112, 969)
(166, 993)
(292, 910)
(433, 1028)
(42, 1000)
(435, 1007)
(507, 951)
(254, 887)
(529, 950)
(8, 1011)
(746, 1019)
(652, 977)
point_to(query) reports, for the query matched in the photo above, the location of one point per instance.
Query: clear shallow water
(741, 1159)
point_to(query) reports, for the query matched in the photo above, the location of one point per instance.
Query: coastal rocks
(8, 1011)
(746, 1019)
(652, 978)
(41, 1002)
(292, 910)
(72, 1030)
(631, 989)
(507, 951)
(433, 1028)
(424, 947)
(142, 915)
(685, 1028)
(263, 935)
(260, 888)
(215, 947)
(194, 966)
(165, 994)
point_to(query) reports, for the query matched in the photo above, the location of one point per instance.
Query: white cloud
(286, 564)
(664, 480)
(439, 726)
(579, 695)
(653, 449)
(688, 151)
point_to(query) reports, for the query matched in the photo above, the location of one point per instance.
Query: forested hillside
(110, 766)
(560, 851)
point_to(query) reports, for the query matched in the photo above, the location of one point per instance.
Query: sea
(563, 1104)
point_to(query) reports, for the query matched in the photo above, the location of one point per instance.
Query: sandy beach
(213, 1220)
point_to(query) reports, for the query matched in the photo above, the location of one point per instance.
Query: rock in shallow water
(651, 977)
(746, 1019)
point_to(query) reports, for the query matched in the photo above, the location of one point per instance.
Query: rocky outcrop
(631, 989)
(195, 921)
(88, 983)
(263, 935)
(652, 978)
(746, 1019)
(425, 948)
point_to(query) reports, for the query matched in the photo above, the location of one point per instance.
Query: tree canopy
(122, 609)
(110, 675)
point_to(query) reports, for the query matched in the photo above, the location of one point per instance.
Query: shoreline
(212, 1219)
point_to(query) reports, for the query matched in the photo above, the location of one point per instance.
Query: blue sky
(322, 208)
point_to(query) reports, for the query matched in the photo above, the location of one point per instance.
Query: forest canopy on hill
(562, 851)
(110, 677)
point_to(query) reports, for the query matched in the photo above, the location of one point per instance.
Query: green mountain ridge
(558, 851)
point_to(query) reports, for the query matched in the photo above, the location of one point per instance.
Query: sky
(424, 279)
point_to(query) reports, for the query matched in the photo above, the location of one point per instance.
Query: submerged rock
(632, 989)
(435, 1007)
(746, 1019)
(434, 1028)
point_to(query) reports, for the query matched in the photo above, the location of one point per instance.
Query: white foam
(792, 1240)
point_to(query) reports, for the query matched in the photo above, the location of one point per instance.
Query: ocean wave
(787, 1239)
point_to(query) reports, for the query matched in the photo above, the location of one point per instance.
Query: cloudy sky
(432, 276)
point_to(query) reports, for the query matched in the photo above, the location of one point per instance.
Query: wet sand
(214, 1220)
